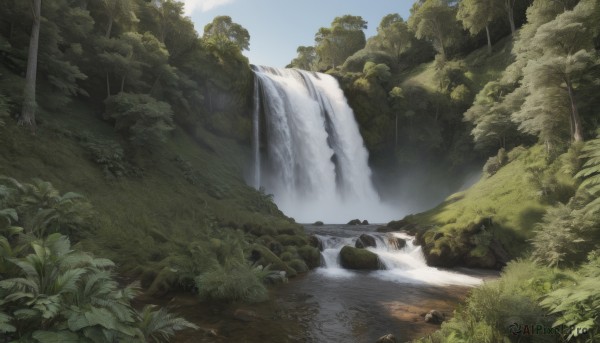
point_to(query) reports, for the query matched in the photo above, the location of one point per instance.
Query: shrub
(577, 304)
(238, 281)
(494, 163)
(142, 118)
(565, 235)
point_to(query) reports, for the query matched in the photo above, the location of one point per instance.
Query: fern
(590, 172)
(158, 325)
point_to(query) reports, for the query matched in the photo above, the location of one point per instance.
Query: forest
(124, 145)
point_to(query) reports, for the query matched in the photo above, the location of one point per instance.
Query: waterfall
(316, 164)
(256, 133)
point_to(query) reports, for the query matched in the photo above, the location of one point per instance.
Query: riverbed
(332, 305)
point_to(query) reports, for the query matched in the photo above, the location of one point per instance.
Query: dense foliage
(52, 292)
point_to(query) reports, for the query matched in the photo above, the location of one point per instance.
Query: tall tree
(568, 53)
(307, 58)
(118, 10)
(29, 104)
(434, 20)
(393, 37)
(477, 15)
(222, 32)
(509, 9)
(341, 40)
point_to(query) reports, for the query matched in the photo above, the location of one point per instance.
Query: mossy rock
(315, 242)
(298, 265)
(365, 241)
(360, 259)
(265, 257)
(310, 255)
(286, 256)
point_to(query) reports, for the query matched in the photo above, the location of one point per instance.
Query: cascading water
(402, 265)
(316, 165)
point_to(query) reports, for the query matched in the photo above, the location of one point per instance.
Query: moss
(354, 258)
(310, 255)
(298, 265)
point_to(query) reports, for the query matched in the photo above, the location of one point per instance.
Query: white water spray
(316, 165)
(405, 265)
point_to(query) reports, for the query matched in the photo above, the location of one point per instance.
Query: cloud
(203, 5)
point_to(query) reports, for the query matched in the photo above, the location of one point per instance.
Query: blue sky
(278, 27)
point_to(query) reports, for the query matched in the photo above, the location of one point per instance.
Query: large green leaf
(55, 337)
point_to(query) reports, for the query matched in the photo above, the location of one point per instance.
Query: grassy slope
(509, 197)
(141, 222)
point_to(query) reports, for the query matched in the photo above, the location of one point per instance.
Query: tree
(345, 37)
(306, 59)
(434, 20)
(393, 37)
(118, 10)
(509, 8)
(222, 32)
(477, 15)
(29, 104)
(567, 54)
(165, 19)
(143, 119)
(491, 116)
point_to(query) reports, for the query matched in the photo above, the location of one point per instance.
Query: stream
(331, 304)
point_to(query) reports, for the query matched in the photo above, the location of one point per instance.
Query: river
(332, 305)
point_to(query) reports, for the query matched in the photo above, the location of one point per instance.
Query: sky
(278, 27)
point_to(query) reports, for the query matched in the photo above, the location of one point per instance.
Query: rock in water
(318, 223)
(397, 242)
(354, 222)
(365, 222)
(434, 317)
(365, 241)
(360, 259)
(389, 338)
(313, 241)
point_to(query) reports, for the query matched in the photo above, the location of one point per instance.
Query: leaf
(55, 337)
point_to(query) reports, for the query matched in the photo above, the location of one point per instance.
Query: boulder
(354, 222)
(310, 255)
(434, 317)
(365, 241)
(315, 242)
(318, 223)
(397, 242)
(389, 338)
(359, 259)
(365, 222)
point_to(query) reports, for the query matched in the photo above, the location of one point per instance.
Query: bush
(566, 235)
(239, 281)
(494, 163)
(142, 118)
